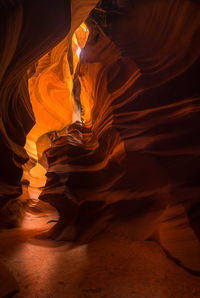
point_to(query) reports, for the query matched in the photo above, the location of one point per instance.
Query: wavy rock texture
(130, 164)
(28, 51)
(25, 39)
(134, 162)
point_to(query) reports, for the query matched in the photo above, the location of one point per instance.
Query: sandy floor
(105, 268)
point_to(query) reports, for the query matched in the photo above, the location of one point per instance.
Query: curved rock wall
(34, 43)
(134, 161)
(25, 39)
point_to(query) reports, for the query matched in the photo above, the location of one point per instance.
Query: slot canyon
(100, 148)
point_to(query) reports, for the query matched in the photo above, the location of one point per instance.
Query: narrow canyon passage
(99, 148)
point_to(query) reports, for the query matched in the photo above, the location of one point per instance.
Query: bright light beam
(78, 52)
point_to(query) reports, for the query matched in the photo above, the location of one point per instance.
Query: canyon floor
(107, 267)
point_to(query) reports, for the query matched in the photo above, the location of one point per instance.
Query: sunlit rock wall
(24, 38)
(33, 73)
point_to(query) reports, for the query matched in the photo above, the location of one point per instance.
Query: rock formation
(113, 117)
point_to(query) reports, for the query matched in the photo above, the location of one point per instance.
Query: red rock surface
(105, 100)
